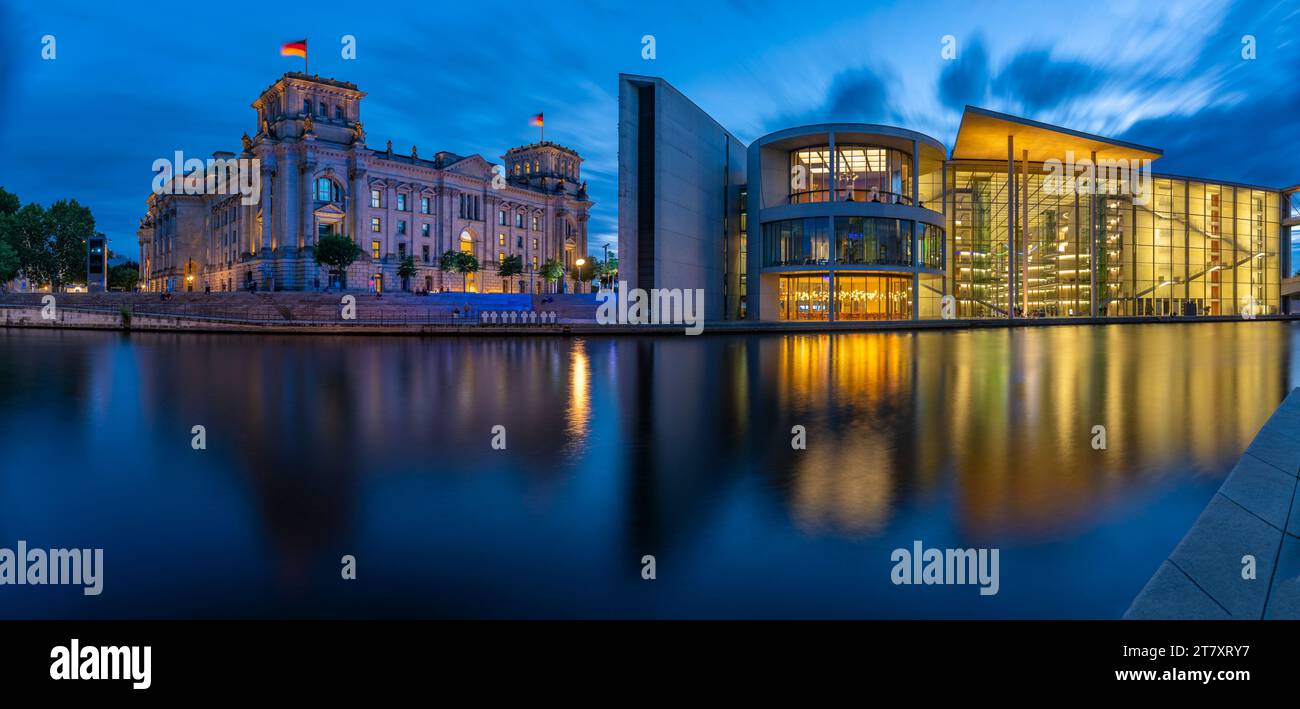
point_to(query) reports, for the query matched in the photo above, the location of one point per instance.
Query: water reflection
(620, 447)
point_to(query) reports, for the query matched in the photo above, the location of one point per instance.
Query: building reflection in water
(619, 446)
(1002, 420)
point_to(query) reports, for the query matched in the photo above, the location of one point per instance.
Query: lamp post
(580, 263)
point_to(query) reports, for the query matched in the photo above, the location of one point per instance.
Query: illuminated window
(535, 244)
(537, 223)
(501, 239)
(374, 249)
(534, 263)
(501, 257)
(376, 199)
(376, 224)
(326, 190)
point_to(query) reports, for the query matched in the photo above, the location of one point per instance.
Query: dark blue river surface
(619, 447)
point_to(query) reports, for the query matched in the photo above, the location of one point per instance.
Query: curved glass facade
(856, 296)
(873, 241)
(863, 173)
(797, 242)
(864, 241)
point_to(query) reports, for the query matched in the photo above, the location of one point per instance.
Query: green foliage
(71, 226)
(552, 270)
(406, 268)
(8, 202)
(28, 232)
(9, 263)
(50, 245)
(123, 277)
(510, 267)
(336, 252)
(459, 262)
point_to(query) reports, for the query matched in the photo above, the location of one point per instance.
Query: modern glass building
(866, 222)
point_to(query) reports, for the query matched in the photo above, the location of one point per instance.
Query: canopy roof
(983, 136)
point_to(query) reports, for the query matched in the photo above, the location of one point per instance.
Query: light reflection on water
(619, 447)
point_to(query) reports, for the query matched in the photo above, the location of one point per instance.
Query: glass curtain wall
(1192, 248)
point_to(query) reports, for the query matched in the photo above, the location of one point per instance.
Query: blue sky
(136, 81)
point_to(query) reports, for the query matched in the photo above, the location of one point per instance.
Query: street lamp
(580, 263)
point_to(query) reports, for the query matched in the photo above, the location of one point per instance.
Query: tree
(552, 270)
(123, 276)
(405, 270)
(460, 262)
(510, 267)
(466, 263)
(28, 232)
(608, 271)
(9, 263)
(337, 252)
(71, 226)
(8, 202)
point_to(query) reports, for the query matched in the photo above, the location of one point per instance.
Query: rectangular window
(424, 205)
(376, 199)
(501, 239)
(376, 224)
(534, 244)
(338, 113)
(501, 257)
(519, 220)
(374, 249)
(401, 251)
(424, 253)
(424, 230)
(306, 106)
(537, 223)
(501, 217)
(519, 242)
(534, 263)
(324, 110)
(401, 226)
(401, 202)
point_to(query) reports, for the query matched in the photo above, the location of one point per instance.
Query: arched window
(327, 190)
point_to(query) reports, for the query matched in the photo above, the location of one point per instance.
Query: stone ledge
(1253, 513)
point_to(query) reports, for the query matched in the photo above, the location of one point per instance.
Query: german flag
(536, 120)
(294, 49)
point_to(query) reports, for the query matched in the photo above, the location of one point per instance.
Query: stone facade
(319, 177)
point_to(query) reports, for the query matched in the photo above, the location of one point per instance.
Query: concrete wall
(698, 169)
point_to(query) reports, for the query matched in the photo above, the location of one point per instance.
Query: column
(916, 226)
(1011, 227)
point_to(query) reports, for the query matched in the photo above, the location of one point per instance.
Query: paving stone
(1262, 489)
(1212, 551)
(1278, 447)
(1171, 595)
(1284, 598)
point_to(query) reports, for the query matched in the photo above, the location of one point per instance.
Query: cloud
(965, 80)
(1034, 81)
